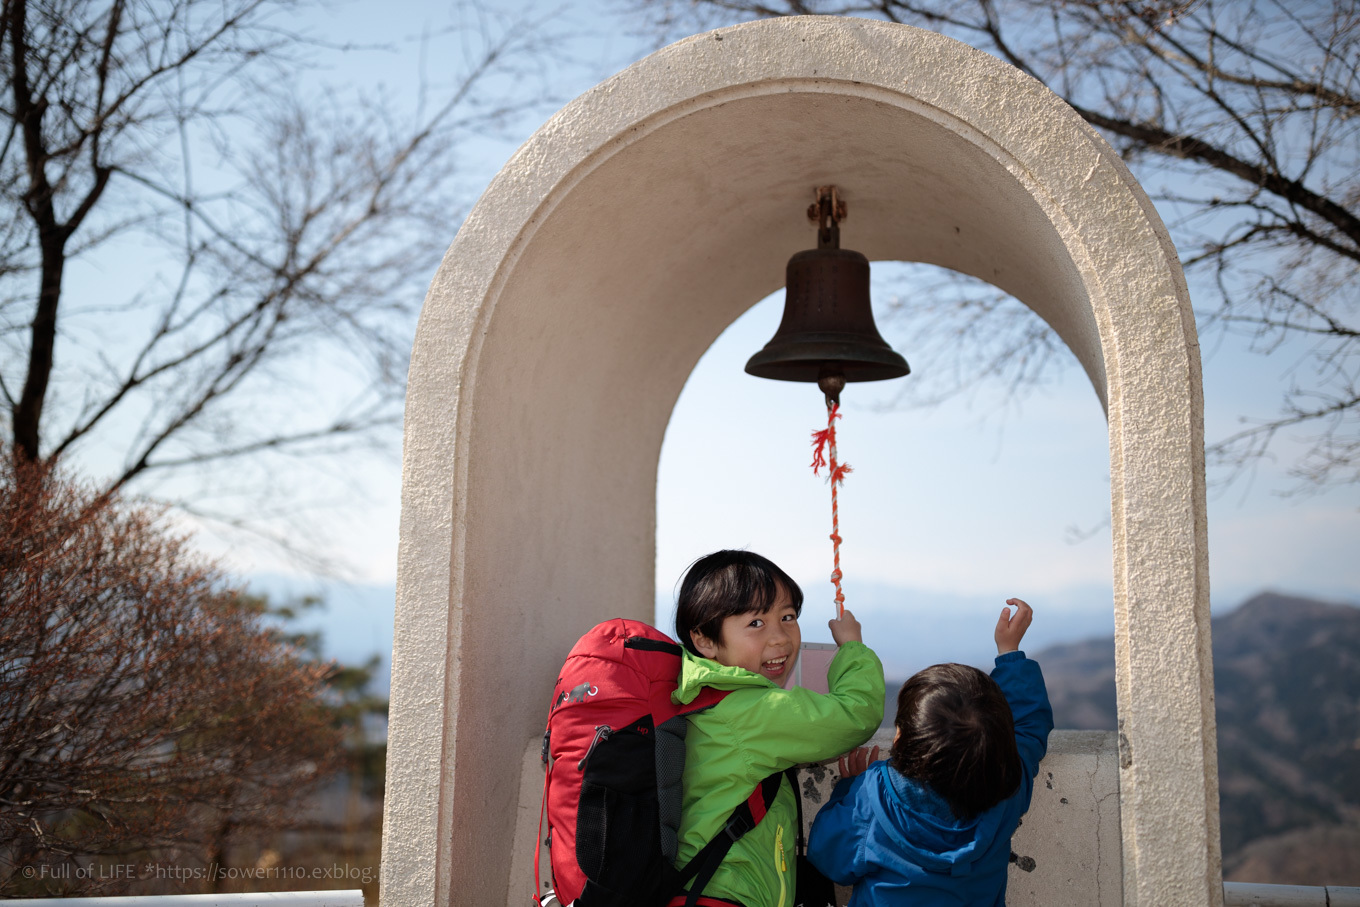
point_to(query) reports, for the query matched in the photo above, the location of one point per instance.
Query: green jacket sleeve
(794, 726)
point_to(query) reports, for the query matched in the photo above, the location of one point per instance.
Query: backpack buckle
(738, 825)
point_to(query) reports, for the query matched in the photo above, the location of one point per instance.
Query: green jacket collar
(697, 672)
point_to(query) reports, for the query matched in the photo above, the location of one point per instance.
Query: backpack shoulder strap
(792, 774)
(744, 818)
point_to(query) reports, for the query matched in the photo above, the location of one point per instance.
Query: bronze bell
(828, 326)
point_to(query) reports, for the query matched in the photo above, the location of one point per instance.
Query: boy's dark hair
(957, 735)
(725, 583)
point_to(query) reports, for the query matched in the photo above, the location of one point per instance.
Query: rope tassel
(824, 445)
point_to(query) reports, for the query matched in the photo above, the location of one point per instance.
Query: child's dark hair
(724, 583)
(956, 733)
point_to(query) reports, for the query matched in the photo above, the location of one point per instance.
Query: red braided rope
(825, 439)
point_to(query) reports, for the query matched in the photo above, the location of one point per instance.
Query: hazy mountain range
(1287, 685)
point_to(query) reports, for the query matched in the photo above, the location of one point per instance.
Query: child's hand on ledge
(845, 629)
(856, 762)
(1010, 629)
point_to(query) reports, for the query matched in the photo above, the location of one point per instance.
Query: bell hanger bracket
(828, 210)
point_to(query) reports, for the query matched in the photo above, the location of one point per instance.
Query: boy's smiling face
(763, 643)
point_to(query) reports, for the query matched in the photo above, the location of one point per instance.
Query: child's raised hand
(1010, 629)
(856, 762)
(845, 629)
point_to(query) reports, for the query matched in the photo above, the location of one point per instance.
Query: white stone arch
(606, 257)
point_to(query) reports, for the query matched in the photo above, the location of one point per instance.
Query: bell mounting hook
(828, 210)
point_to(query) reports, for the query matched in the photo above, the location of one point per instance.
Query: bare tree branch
(308, 237)
(1243, 121)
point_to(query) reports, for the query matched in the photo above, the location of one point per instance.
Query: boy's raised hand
(1010, 629)
(845, 629)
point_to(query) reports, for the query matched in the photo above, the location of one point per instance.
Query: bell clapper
(832, 382)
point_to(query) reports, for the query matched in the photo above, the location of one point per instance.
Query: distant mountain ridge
(1287, 688)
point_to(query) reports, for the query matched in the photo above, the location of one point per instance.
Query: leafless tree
(1240, 117)
(202, 260)
(145, 709)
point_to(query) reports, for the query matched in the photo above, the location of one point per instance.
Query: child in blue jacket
(933, 824)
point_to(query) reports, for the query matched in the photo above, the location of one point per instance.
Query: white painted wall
(605, 258)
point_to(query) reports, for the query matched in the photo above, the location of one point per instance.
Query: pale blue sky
(956, 507)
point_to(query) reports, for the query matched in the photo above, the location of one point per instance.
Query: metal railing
(1235, 894)
(1250, 894)
(352, 897)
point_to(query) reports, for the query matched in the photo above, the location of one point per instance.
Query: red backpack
(612, 789)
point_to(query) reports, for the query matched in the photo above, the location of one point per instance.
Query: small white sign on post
(813, 661)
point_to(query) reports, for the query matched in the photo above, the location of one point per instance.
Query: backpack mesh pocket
(617, 822)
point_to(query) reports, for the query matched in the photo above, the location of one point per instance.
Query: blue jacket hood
(924, 829)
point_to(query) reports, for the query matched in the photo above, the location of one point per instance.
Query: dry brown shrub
(145, 708)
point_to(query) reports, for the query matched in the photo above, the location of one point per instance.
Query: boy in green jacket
(737, 617)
